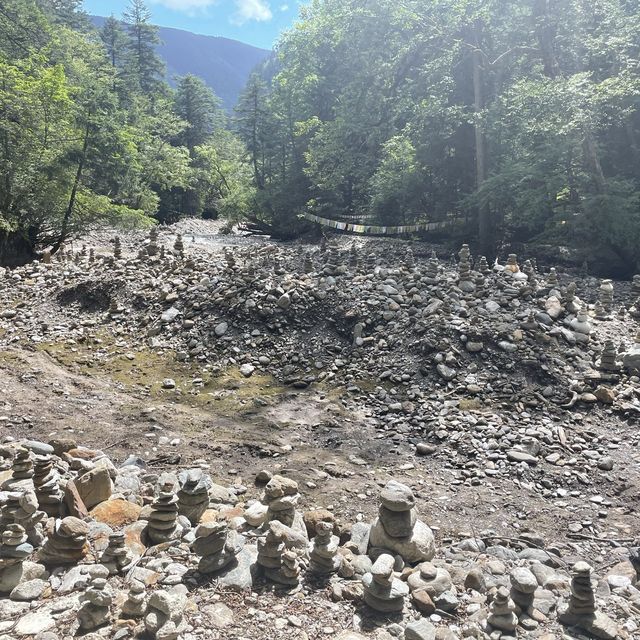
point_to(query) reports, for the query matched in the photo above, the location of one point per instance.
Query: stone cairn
(635, 286)
(383, 592)
(193, 494)
(308, 263)
(483, 266)
(512, 263)
(67, 544)
(581, 327)
(47, 485)
(134, 606)
(397, 527)
(178, 246)
(608, 360)
(116, 557)
(502, 614)
(117, 248)
(277, 566)
(324, 556)
(95, 605)
(581, 610)
(152, 246)
(14, 550)
(162, 525)
(46, 256)
(552, 278)
(21, 507)
(431, 269)
(529, 271)
(523, 588)
(217, 546)
(163, 617)
(605, 295)
(465, 279)
(21, 470)
(92, 255)
(281, 497)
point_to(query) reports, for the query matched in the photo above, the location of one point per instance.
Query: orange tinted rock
(116, 513)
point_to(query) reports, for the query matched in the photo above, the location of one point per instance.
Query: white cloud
(187, 6)
(247, 10)
(284, 7)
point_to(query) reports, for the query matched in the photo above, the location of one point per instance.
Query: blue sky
(257, 22)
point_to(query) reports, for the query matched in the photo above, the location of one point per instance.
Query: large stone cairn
(502, 614)
(47, 485)
(21, 507)
(95, 608)
(193, 494)
(281, 497)
(605, 295)
(324, 557)
(67, 544)
(14, 550)
(163, 619)
(133, 607)
(116, 557)
(162, 525)
(217, 546)
(383, 592)
(397, 527)
(581, 610)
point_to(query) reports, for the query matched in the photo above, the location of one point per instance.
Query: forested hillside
(91, 132)
(520, 117)
(222, 63)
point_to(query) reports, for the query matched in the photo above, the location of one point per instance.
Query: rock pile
(163, 618)
(95, 608)
(163, 525)
(281, 497)
(134, 606)
(502, 614)
(324, 558)
(67, 544)
(217, 546)
(383, 592)
(193, 494)
(116, 557)
(14, 550)
(47, 485)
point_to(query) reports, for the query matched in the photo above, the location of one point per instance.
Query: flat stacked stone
(581, 327)
(116, 557)
(605, 295)
(445, 307)
(163, 618)
(530, 272)
(324, 557)
(502, 614)
(431, 269)
(117, 248)
(95, 605)
(217, 545)
(21, 507)
(397, 527)
(281, 497)
(512, 263)
(371, 262)
(162, 525)
(483, 266)
(608, 359)
(465, 277)
(552, 278)
(134, 606)
(353, 257)
(14, 550)
(193, 494)
(47, 485)
(383, 592)
(480, 284)
(581, 610)
(67, 544)
(409, 258)
(308, 263)
(21, 470)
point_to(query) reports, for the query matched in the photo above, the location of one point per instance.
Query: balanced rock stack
(95, 605)
(21, 507)
(324, 557)
(117, 248)
(162, 525)
(116, 557)
(635, 286)
(152, 246)
(431, 579)
(164, 615)
(193, 494)
(512, 264)
(47, 484)
(134, 606)
(523, 587)
(178, 245)
(552, 278)
(608, 361)
(21, 471)
(384, 592)
(465, 278)
(14, 550)
(431, 269)
(67, 544)
(581, 327)
(272, 547)
(605, 295)
(217, 546)
(502, 614)
(281, 497)
(398, 528)
(581, 610)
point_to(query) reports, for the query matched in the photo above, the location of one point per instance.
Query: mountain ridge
(223, 63)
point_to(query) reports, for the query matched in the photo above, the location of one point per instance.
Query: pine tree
(115, 41)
